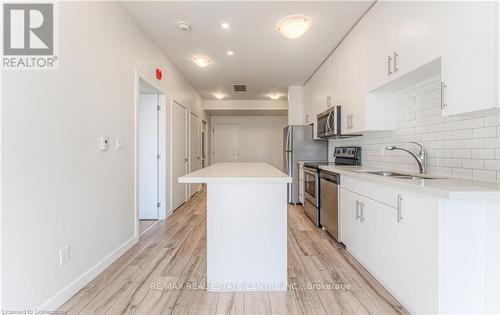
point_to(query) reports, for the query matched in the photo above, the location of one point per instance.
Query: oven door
(311, 185)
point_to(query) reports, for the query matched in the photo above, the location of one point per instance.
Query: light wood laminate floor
(166, 271)
(144, 225)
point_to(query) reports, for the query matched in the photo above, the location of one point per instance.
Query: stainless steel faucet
(419, 157)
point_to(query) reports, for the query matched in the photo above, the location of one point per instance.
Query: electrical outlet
(64, 256)
(103, 143)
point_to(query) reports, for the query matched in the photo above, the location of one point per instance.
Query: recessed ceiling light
(230, 53)
(184, 26)
(225, 25)
(201, 61)
(274, 96)
(294, 26)
(219, 95)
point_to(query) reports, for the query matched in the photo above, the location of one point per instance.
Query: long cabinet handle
(443, 86)
(395, 62)
(362, 212)
(389, 70)
(399, 216)
(357, 210)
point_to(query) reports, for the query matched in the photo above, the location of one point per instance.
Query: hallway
(166, 271)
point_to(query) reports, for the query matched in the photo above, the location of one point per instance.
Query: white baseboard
(66, 293)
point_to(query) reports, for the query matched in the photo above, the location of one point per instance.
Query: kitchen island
(246, 226)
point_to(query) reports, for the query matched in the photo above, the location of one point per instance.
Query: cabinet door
(335, 62)
(313, 95)
(379, 243)
(380, 43)
(351, 227)
(307, 104)
(353, 80)
(417, 253)
(468, 58)
(417, 32)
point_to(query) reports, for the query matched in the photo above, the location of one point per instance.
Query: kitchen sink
(399, 175)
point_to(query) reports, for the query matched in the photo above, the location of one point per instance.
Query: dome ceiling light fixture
(294, 26)
(219, 95)
(201, 60)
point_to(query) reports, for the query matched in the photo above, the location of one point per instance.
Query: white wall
(260, 138)
(245, 105)
(57, 188)
(460, 146)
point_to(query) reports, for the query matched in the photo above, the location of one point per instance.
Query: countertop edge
(441, 193)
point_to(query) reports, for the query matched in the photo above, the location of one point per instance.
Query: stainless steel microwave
(328, 124)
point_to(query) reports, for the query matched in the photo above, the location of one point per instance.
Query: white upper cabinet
(468, 64)
(318, 93)
(402, 36)
(353, 80)
(417, 35)
(380, 47)
(336, 88)
(400, 43)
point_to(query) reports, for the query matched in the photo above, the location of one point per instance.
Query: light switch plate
(119, 144)
(64, 255)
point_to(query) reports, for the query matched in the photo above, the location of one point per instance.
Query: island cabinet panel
(246, 236)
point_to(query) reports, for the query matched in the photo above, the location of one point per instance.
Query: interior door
(179, 154)
(194, 149)
(226, 143)
(147, 156)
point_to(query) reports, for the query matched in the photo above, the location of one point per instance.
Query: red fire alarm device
(158, 74)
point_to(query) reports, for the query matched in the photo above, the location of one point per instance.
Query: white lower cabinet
(396, 243)
(352, 233)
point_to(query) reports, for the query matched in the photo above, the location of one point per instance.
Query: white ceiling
(264, 59)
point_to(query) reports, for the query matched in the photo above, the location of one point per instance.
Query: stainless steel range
(321, 189)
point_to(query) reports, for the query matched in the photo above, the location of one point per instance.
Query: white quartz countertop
(237, 172)
(445, 187)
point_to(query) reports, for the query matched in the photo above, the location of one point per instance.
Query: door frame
(163, 149)
(186, 153)
(190, 163)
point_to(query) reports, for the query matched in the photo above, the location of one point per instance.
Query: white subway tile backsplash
(493, 120)
(462, 173)
(473, 123)
(486, 132)
(475, 164)
(462, 134)
(452, 162)
(461, 154)
(490, 176)
(473, 143)
(492, 165)
(466, 147)
(483, 154)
